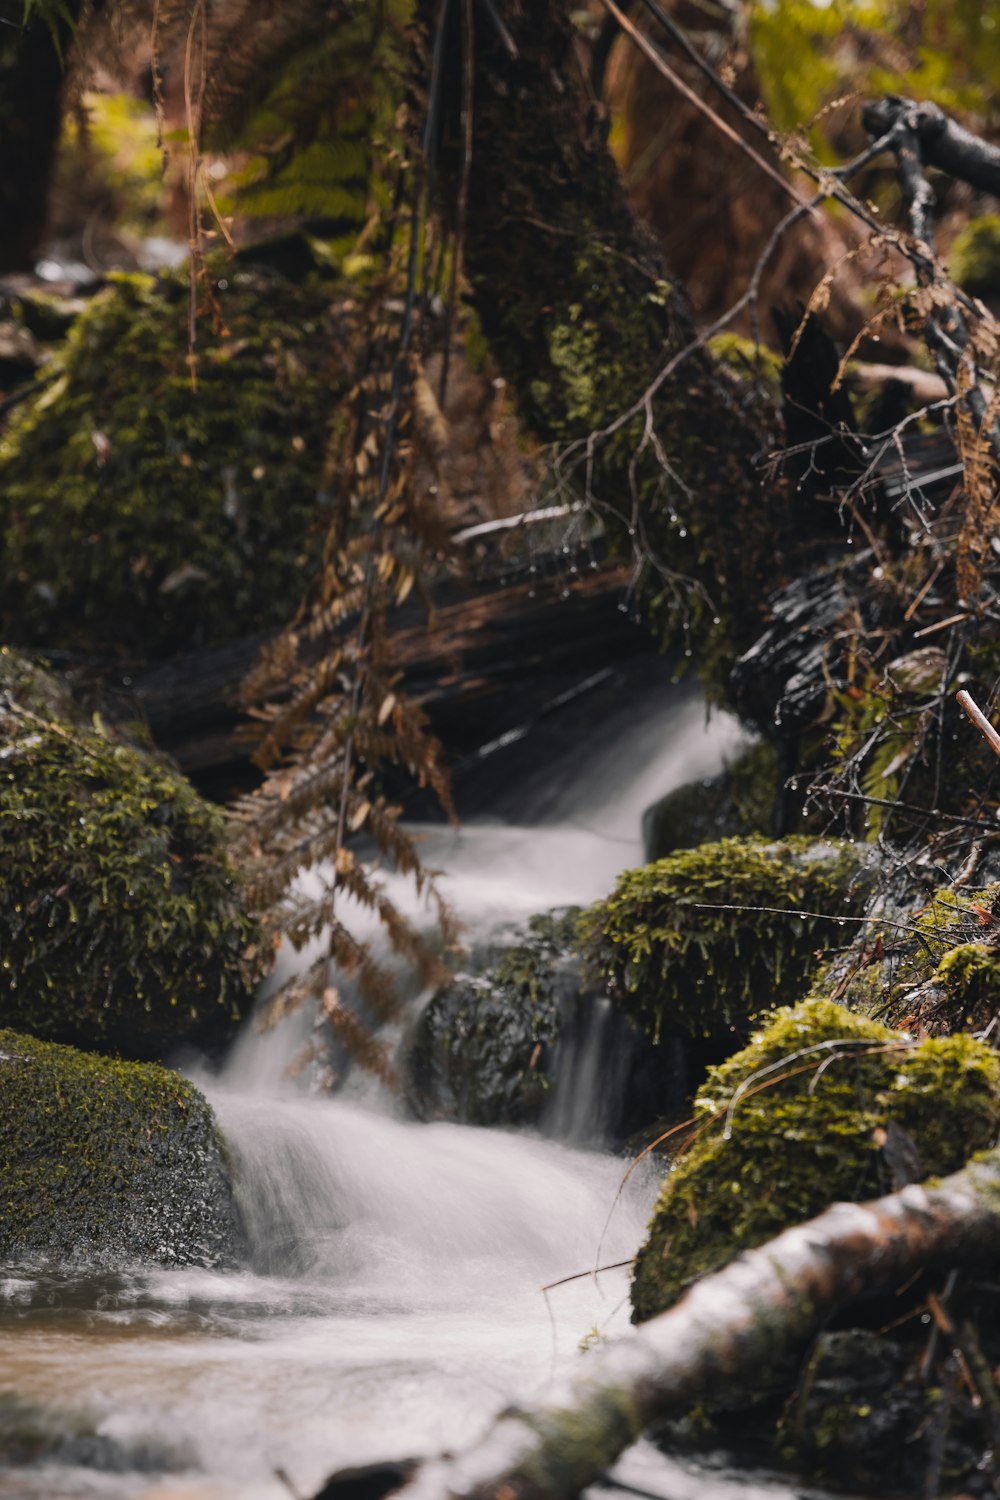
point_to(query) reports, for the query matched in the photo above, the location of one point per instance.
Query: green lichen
(975, 256)
(105, 1162)
(139, 514)
(687, 945)
(121, 916)
(811, 1112)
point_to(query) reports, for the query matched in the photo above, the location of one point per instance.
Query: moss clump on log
(104, 1162)
(823, 1105)
(676, 955)
(121, 913)
(141, 514)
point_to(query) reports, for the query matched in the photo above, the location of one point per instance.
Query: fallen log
(736, 1328)
(491, 650)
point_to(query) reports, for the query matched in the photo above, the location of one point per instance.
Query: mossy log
(729, 1331)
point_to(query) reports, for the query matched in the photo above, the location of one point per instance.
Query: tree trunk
(728, 1334)
(581, 315)
(31, 78)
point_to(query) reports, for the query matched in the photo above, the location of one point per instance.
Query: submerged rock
(703, 940)
(121, 917)
(822, 1105)
(105, 1162)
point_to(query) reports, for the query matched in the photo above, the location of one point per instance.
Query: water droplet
(716, 619)
(683, 531)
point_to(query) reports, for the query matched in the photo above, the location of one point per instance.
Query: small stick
(971, 709)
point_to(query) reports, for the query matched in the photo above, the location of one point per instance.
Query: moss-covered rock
(975, 256)
(934, 970)
(822, 1105)
(105, 1162)
(121, 922)
(737, 802)
(484, 1045)
(144, 512)
(706, 938)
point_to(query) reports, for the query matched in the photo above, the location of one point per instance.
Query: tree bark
(31, 80)
(582, 316)
(731, 1330)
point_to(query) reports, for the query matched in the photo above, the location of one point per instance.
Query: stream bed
(393, 1302)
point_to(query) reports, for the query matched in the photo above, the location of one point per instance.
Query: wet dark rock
(484, 1046)
(522, 1039)
(738, 801)
(863, 1419)
(368, 1482)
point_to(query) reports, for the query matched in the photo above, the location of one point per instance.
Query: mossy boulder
(933, 970)
(975, 256)
(822, 1105)
(483, 1048)
(706, 938)
(148, 506)
(121, 916)
(105, 1162)
(737, 802)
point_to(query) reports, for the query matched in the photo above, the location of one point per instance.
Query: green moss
(138, 514)
(738, 801)
(103, 1162)
(483, 1046)
(798, 1120)
(935, 972)
(26, 685)
(677, 956)
(749, 361)
(975, 256)
(121, 915)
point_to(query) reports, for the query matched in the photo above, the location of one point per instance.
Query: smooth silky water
(393, 1300)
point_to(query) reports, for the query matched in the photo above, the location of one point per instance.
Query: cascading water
(392, 1302)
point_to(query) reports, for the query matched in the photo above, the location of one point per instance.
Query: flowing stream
(393, 1302)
